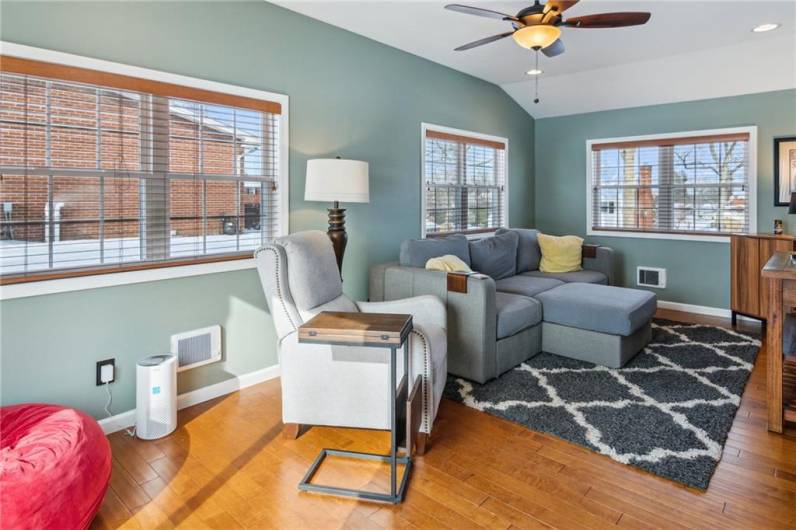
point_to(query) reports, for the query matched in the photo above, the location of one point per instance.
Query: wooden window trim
(662, 142)
(430, 133)
(16, 65)
(111, 269)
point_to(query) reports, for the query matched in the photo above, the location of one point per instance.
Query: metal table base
(393, 498)
(397, 491)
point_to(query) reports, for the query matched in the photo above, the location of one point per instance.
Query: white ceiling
(688, 50)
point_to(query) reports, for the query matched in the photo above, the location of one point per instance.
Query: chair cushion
(581, 276)
(495, 256)
(416, 252)
(341, 303)
(515, 313)
(602, 308)
(528, 252)
(526, 285)
(55, 466)
(560, 254)
(312, 272)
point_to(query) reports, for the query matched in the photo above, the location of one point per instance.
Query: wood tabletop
(766, 235)
(780, 266)
(357, 329)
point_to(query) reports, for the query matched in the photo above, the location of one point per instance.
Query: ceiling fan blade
(481, 42)
(477, 11)
(608, 20)
(559, 5)
(557, 48)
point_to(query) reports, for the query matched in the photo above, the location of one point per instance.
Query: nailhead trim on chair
(278, 285)
(426, 381)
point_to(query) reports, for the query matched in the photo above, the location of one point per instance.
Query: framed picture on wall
(784, 170)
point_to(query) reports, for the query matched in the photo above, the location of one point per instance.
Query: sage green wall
(349, 96)
(698, 272)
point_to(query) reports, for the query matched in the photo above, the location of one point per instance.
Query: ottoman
(599, 324)
(55, 465)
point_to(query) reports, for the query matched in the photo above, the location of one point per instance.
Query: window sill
(654, 235)
(81, 283)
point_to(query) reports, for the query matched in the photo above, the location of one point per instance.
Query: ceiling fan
(537, 27)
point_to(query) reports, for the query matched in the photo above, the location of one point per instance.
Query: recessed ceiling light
(762, 28)
(535, 71)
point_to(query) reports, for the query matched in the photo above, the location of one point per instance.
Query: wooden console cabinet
(780, 276)
(748, 255)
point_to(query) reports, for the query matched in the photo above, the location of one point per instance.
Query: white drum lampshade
(335, 179)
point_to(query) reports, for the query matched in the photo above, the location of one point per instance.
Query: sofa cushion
(312, 272)
(416, 252)
(495, 256)
(581, 276)
(601, 308)
(526, 285)
(515, 313)
(528, 252)
(560, 254)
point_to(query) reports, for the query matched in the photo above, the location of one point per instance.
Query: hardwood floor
(228, 466)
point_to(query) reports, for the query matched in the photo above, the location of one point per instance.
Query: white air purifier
(156, 396)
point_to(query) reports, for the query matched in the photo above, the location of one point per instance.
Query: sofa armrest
(471, 316)
(602, 260)
(376, 281)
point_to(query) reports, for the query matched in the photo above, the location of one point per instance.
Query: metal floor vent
(197, 347)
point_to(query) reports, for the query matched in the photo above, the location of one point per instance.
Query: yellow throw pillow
(560, 254)
(447, 263)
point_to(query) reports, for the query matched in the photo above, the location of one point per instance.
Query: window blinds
(465, 184)
(690, 185)
(100, 172)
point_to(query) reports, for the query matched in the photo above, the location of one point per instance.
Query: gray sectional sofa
(510, 311)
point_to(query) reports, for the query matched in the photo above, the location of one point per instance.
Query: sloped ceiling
(688, 50)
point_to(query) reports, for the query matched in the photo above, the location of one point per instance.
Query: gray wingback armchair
(340, 385)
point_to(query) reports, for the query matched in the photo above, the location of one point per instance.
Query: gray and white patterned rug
(668, 411)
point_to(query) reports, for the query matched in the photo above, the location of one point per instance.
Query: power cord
(110, 399)
(129, 432)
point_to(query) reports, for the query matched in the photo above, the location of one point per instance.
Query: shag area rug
(668, 411)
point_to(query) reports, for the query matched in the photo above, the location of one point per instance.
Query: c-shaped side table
(375, 330)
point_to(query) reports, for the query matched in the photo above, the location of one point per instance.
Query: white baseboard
(701, 310)
(126, 419)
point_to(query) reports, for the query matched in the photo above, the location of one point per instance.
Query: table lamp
(337, 180)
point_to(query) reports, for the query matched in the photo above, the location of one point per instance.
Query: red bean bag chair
(55, 465)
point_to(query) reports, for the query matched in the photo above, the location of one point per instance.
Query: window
(464, 182)
(102, 172)
(690, 185)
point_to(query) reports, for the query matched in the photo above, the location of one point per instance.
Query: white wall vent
(197, 347)
(651, 277)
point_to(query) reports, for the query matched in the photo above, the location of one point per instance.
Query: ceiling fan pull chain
(536, 79)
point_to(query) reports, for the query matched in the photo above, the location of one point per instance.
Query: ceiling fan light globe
(540, 36)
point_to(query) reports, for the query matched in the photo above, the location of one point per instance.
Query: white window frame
(472, 134)
(751, 130)
(37, 288)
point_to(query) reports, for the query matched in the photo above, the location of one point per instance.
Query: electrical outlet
(106, 371)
